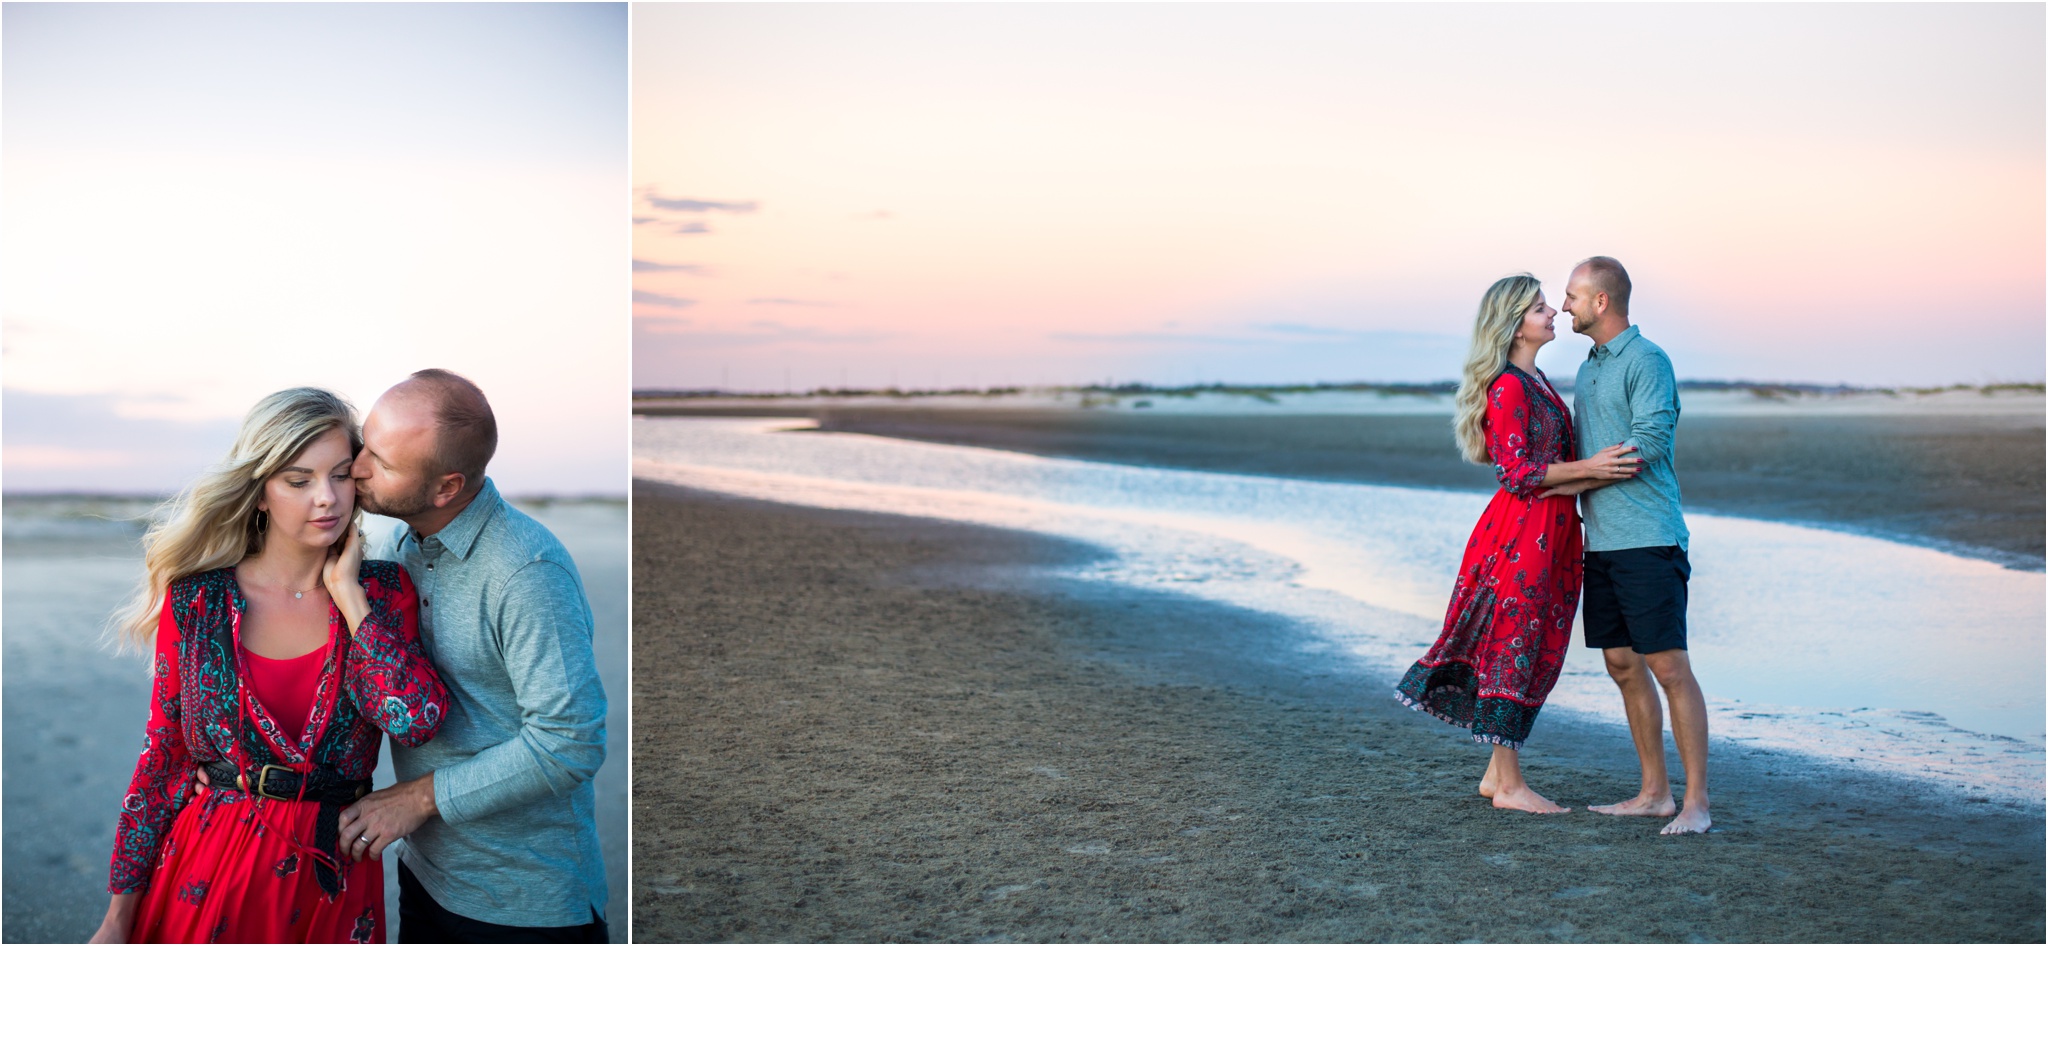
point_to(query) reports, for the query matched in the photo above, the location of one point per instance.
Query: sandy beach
(857, 727)
(74, 711)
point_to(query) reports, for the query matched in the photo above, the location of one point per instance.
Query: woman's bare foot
(1640, 806)
(1694, 819)
(1489, 784)
(1526, 800)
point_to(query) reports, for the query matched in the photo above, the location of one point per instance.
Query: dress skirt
(1509, 623)
(230, 874)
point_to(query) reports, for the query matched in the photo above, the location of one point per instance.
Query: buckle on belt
(263, 782)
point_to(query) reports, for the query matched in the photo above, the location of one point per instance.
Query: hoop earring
(262, 521)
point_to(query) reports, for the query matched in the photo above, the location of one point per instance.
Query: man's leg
(1673, 669)
(419, 915)
(1646, 729)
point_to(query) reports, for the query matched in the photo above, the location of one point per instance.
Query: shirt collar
(1615, 345)
(460, 535)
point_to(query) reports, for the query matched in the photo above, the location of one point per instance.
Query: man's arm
(544, 634)
(1653, 406)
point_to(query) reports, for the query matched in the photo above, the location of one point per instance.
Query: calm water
(1830, 644)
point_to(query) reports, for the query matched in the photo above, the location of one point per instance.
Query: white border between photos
(1668, 994)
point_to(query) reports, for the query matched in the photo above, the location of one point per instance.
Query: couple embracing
(283, 656)
(1510, 619)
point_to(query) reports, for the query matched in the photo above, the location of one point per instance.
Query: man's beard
(408, 504)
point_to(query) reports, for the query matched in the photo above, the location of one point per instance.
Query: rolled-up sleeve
(1653, 406)
(544, 632)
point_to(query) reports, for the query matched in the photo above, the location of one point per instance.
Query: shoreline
(1964, 485)
(852, 726)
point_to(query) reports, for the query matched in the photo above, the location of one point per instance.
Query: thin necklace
(301, 593)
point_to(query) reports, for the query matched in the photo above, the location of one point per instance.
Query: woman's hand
(1608, 465)
(1612, 463)
(343, 577)
(120, 920)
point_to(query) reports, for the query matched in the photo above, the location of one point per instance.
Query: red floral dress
(237, 868)
(1510, 618)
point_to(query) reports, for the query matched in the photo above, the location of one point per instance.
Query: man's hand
(385, 816)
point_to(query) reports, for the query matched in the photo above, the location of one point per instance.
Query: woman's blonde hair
(1493, 334)
(214, 522)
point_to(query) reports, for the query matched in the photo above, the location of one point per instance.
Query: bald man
(1636, 567)
(498, 811)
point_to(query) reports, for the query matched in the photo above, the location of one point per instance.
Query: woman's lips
(326, 522)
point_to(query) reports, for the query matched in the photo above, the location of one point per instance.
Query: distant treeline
(1271, 393)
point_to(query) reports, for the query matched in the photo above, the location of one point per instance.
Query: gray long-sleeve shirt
(504, 618)
(1627, 393)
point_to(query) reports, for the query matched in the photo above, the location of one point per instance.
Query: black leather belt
(323, 786)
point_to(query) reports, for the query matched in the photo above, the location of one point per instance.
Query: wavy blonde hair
(1493, 333)
(214, 522)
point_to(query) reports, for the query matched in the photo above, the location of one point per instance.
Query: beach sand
(74, 711)
(855, 727)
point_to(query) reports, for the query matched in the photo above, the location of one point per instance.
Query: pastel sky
(938, 195)
(207, 203)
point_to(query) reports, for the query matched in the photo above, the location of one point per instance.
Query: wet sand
(1966, 483)
(74, 711)
(856, 727)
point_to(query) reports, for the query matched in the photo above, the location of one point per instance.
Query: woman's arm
(163, 772)
(119, 924)
(1507, 437)
(1507, 442)
(387, 674)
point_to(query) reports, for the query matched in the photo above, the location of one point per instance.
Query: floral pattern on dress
(378, 681)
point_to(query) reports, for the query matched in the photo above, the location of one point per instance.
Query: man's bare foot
(1489, 784)
(1694, 819)
(1526, 800)
(1640, 806)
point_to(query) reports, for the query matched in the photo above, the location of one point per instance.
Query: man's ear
(448, 489)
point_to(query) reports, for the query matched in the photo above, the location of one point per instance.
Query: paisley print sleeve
(1507, 437)
(388, 677)
(163, 772)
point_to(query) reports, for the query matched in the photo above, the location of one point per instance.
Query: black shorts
(422, 920)
(1635, 597)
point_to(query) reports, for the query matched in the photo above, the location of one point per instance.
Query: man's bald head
(465, 430)
(1607, 276)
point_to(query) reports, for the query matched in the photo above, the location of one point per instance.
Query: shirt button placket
(426, 589)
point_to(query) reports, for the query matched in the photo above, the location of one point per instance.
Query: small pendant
(298, 595)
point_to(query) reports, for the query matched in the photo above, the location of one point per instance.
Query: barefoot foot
(1526, 800)
(1490, 784)
(1640, 806)
(1694, 819)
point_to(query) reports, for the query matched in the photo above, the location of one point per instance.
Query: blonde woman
(1510, 619)
(281, 658)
